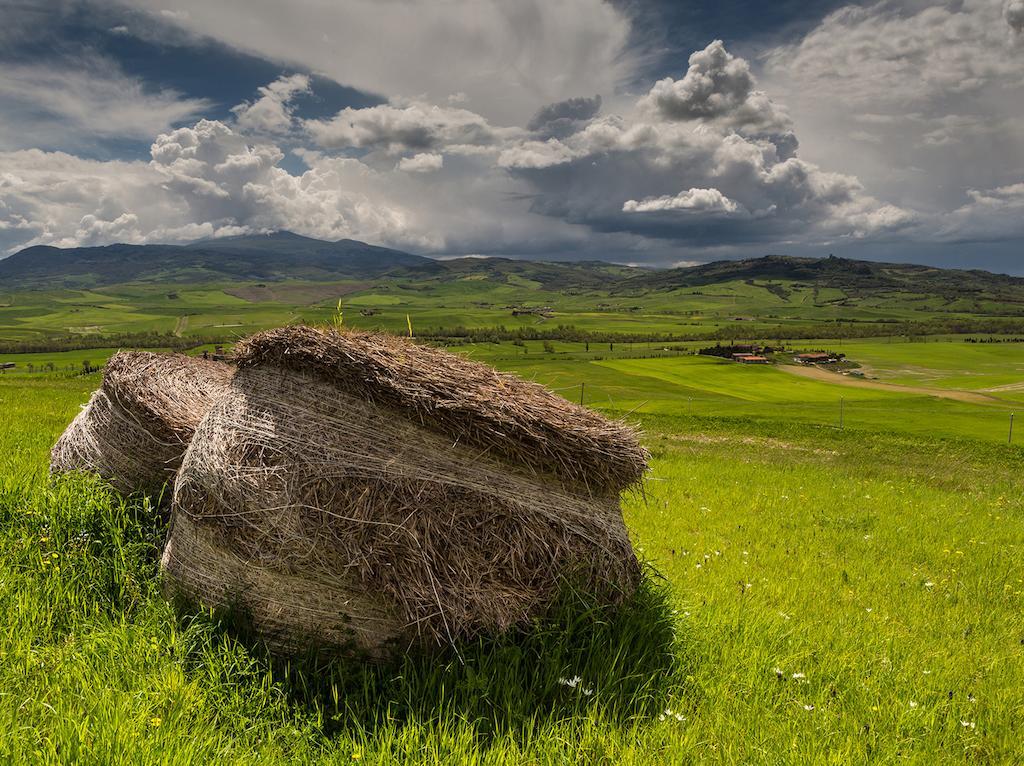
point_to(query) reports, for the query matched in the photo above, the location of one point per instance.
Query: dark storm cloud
(479, 140)
(564, 117)
(1013, 12)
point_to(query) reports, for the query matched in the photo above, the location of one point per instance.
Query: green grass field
(233, 309)
(817, 595)
(996, 368)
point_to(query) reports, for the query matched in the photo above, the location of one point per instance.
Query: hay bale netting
(360, 487)
(135, 428)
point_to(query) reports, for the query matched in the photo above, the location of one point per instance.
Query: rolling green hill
(216, 290)
(277, 256)
(838, 571)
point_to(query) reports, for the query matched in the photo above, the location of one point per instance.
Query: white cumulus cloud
(699, 200)
(272, 112)
(75, 101)
(920, 100)
(705, 164)
(424, 162)
(717, 87)
(507, 58)
(398, 128)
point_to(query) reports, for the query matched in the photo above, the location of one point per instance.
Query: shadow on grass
(582, 659)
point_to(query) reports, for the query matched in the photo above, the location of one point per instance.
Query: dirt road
(816, 373)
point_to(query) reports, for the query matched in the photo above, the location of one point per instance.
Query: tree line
(117, 340)
(838, 330)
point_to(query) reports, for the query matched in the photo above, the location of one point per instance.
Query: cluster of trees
(119, 340)
(730, 333)
(993, 340)
(727, 352)
(879, 329)
(569, 333)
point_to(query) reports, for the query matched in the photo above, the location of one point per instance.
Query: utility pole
(582, 386)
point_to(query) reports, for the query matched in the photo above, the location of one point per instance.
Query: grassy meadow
(816, 595)
(233, 309)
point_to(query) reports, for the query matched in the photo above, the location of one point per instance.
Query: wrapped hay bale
(359, 488)
(135, 428)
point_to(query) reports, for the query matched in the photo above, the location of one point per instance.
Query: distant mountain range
(271, 258)
(286, 256)
(277, 256)
(841, 273)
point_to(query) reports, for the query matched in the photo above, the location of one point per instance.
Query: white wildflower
(576, 683)
(967, 724)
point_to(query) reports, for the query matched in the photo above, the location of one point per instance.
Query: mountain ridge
(283, 255)
(850, 275)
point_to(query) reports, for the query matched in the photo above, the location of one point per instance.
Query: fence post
(841, 411)
(582, 386)
(1010, 440)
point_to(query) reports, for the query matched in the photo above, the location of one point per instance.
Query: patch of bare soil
(816, 373)
(305, 295)
(758, 441)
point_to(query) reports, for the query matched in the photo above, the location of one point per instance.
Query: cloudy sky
(634, 131)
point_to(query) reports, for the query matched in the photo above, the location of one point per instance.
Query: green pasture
(228, 310)
(669, 383)
(816, 596)
(816, 593)
(649, 378)
(996, 368)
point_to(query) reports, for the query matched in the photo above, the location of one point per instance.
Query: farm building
(818, 357)
(750, 359)
(543, 311)
(730, 352)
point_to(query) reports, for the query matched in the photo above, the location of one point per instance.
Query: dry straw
(135, 428)
(470, 402)
(355, 487)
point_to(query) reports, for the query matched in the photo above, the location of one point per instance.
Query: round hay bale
(510, 418)
(289, 610)
(135, 428)
(313, 502)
